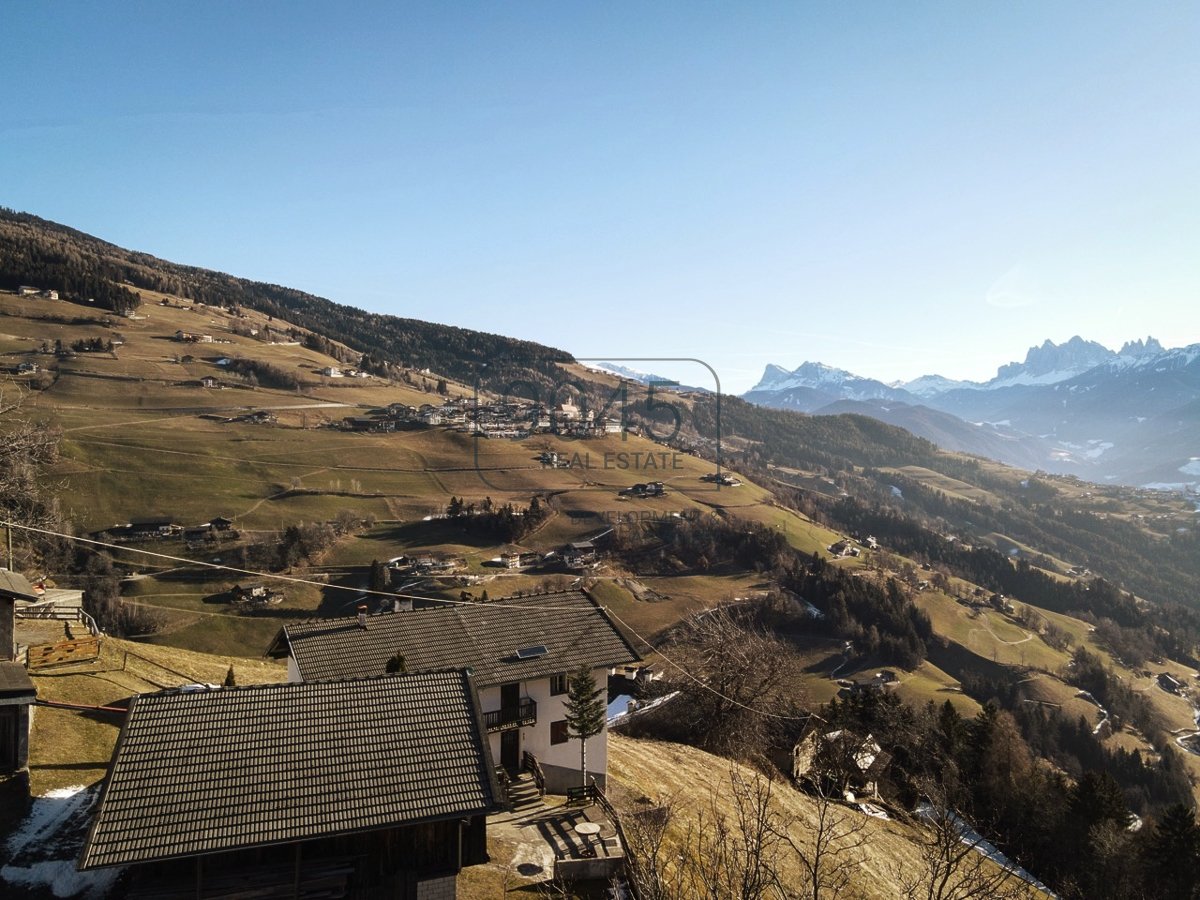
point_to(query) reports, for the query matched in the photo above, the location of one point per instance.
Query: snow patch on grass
(43, 848)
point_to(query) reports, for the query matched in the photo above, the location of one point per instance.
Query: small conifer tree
(586, 712)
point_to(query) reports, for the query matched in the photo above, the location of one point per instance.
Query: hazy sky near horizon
(897, 189)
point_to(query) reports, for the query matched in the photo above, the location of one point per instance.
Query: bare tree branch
(952, 866)
(832, 853)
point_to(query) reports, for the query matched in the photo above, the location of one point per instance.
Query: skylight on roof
(532, 652)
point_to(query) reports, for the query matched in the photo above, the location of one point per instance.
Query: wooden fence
(59, 612)
(631, 883)
(43, 656)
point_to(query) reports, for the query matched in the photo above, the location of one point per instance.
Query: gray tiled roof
(482, 636)
(14, 682)
(231, 768)
(16, 586)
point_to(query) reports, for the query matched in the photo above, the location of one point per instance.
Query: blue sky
(896, 189)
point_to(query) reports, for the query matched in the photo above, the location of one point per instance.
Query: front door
(510, 749)
(510, 696)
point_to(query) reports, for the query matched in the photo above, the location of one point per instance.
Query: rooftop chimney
(362, 616)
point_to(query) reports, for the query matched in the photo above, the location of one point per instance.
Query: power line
(498, 605)
(221, 567)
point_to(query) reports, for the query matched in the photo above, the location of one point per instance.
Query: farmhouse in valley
(841, 762)
(369, 787)
(520, 651)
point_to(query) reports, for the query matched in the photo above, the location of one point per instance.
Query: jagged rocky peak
(1140, 348)
(807, 374)
(773, 374)
(1050, 359)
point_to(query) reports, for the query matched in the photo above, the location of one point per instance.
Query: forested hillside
(36, 252)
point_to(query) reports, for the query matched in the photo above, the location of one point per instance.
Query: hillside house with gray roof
(375, 787)
(519, 650)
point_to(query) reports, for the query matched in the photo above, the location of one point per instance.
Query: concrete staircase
(523, 794)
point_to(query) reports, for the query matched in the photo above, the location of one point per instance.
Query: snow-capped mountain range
(1048, 364)
(1131, 415)
(646, 378)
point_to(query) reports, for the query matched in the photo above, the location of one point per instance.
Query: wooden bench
(581, 795)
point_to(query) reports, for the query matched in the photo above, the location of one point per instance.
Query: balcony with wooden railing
(507, 717)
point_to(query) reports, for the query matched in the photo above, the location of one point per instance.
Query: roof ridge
(440, 603)
(269, 685)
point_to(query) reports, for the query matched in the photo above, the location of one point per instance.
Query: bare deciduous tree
(832, 852)
(26, 448)
(733, 855)
(739, 678)
(729, 850)
(739, 846)
(653, 862)
(952, 866)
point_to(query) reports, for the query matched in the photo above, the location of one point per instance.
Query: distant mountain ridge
(1049, 363)
(813, 385)
(1052, 362)
(647, 378)
(1074, 408)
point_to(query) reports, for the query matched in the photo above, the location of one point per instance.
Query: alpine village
(300, 601)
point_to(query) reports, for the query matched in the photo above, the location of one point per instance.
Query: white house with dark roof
(520, 651)
(374, 787)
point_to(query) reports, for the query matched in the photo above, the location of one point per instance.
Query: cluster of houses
(371, 772)
(575, 556)
(401, 568)
(514, 419)
(159, 528)
(27, 290)
(851, 547)
(724, 479)
(649, 489)
(338, 372)
(193, 337)
(256, 594)
(257, 417)
(982, 599)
